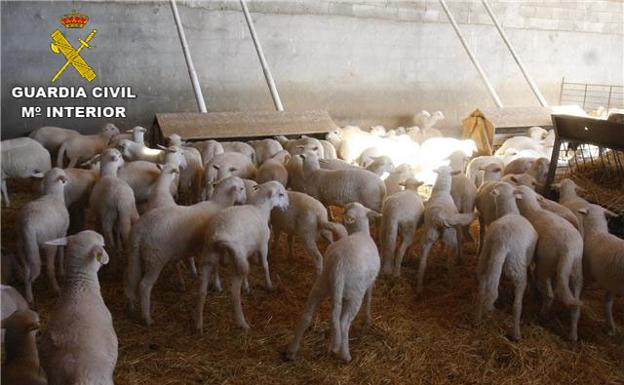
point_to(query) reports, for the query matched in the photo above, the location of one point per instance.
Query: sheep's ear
(372, 214)
(540, 198)
(256, 187)
(497, 169)
(100, 255)
(160, 166)
(579, 189)
(610, 213)
(494, 193)
(518, 196)
(455, 172)
(583, 211)
(514, 179)
(301, 146)
(38, 174)
(57, 242)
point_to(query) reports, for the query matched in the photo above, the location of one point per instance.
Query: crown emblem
(74, 19)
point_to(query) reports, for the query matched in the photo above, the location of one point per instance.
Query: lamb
(427, 120)
(80, 344)
(161, 196)
(441, 220)
(274, 169)
(339, 187)
(265, 149)
(350, 142)
(226, 164)
(21, 365)
(83, 147)
(521, 180)
(537, 168)
(137, 135)
(208, 149)
(532, 142)
(11, 301)
(296, 181)
(568, 197)
(22, 158)
(233, 236)
(52, 137)
(464, 194)
(604, 254)
(302, 145)
(39, 221)
(113, 202)
(329, 151)
(509, 246)
(191, 174)
(558, 256)
(133, 151)
(306, 218)
(241, 148)
(477, 165)
(349, 273)
(170, 234)
(434, 153)
(77, 190)
(381, 166)
(401, 215)
(560, 210)
(397, 178)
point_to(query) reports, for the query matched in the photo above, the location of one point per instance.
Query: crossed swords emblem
(62, 45)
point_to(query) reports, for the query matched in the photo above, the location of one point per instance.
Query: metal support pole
(534, 88)
(473, 59)
(201, 105)
(265, 67)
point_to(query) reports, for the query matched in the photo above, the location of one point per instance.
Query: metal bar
(609, 100)
(533, 86)
(265, 67)
(201, 104)
(584, 96)
(561, 89)
(473, 59)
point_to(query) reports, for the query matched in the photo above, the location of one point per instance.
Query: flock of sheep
(212, 203)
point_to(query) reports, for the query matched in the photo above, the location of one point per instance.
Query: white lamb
(302, 145)
(401, 215)
(604, 254)
(558, 257)
(136, 134)
(80, 344)
(208, 149)
(265, 149)
(509, 246)
(52, 137)
(226, 164)
(306, 218)
(39, 221)
(83, 147)
(233, 236)
(476, 166)
(339, 187)
(160, 196)
(531, 142)
(274, 168)
(22, 158)
(21, 360)
(171, 234)
(441, 220)
(241, 148)
(349, 273)
(113, 203)
(568, 196)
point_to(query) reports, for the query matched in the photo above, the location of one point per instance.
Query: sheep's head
(110, 130)
(174, 140)
(112, 156)
(522, 180)
(168, 169)
(21, 322)
(275, 192)
(54, 179)
(568, 185)
(537, 133)
(356, 217)
(175, 155)
(85, 248)
(411, 184)
(234, 188)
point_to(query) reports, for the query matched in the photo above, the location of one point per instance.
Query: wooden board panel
(221, 125)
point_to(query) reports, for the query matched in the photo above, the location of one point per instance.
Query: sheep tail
(491, 261)
(60, 157)
(336, 229)
(459, 220)
(562, 291)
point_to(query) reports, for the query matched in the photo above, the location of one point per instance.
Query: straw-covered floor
(429, 340)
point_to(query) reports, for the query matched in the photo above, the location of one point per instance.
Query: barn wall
(365, 62)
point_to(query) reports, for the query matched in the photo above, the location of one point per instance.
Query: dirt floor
(428, 340)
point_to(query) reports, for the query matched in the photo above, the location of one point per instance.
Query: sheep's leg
(50, 252)
(217, 279)
(5, 193)
(72, 162)
(520, 287)
(337, 303)
(180, 274)
(206, 270)
(311, 247)
(145, 291)
(60, 253)
(608, 309)
(369, 301)
(191, 262)
(449, 238)
(236, 283)
(317, 294)
(125, 228)
(277, 233)
(407, 238)
(460, 244)
(575, 311)
(291, 244)
(28, 280)
(349, 312)
(545, 288)
(429, 239)
(264, 256)
(481, 233)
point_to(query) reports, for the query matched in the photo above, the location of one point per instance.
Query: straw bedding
(429, 340)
